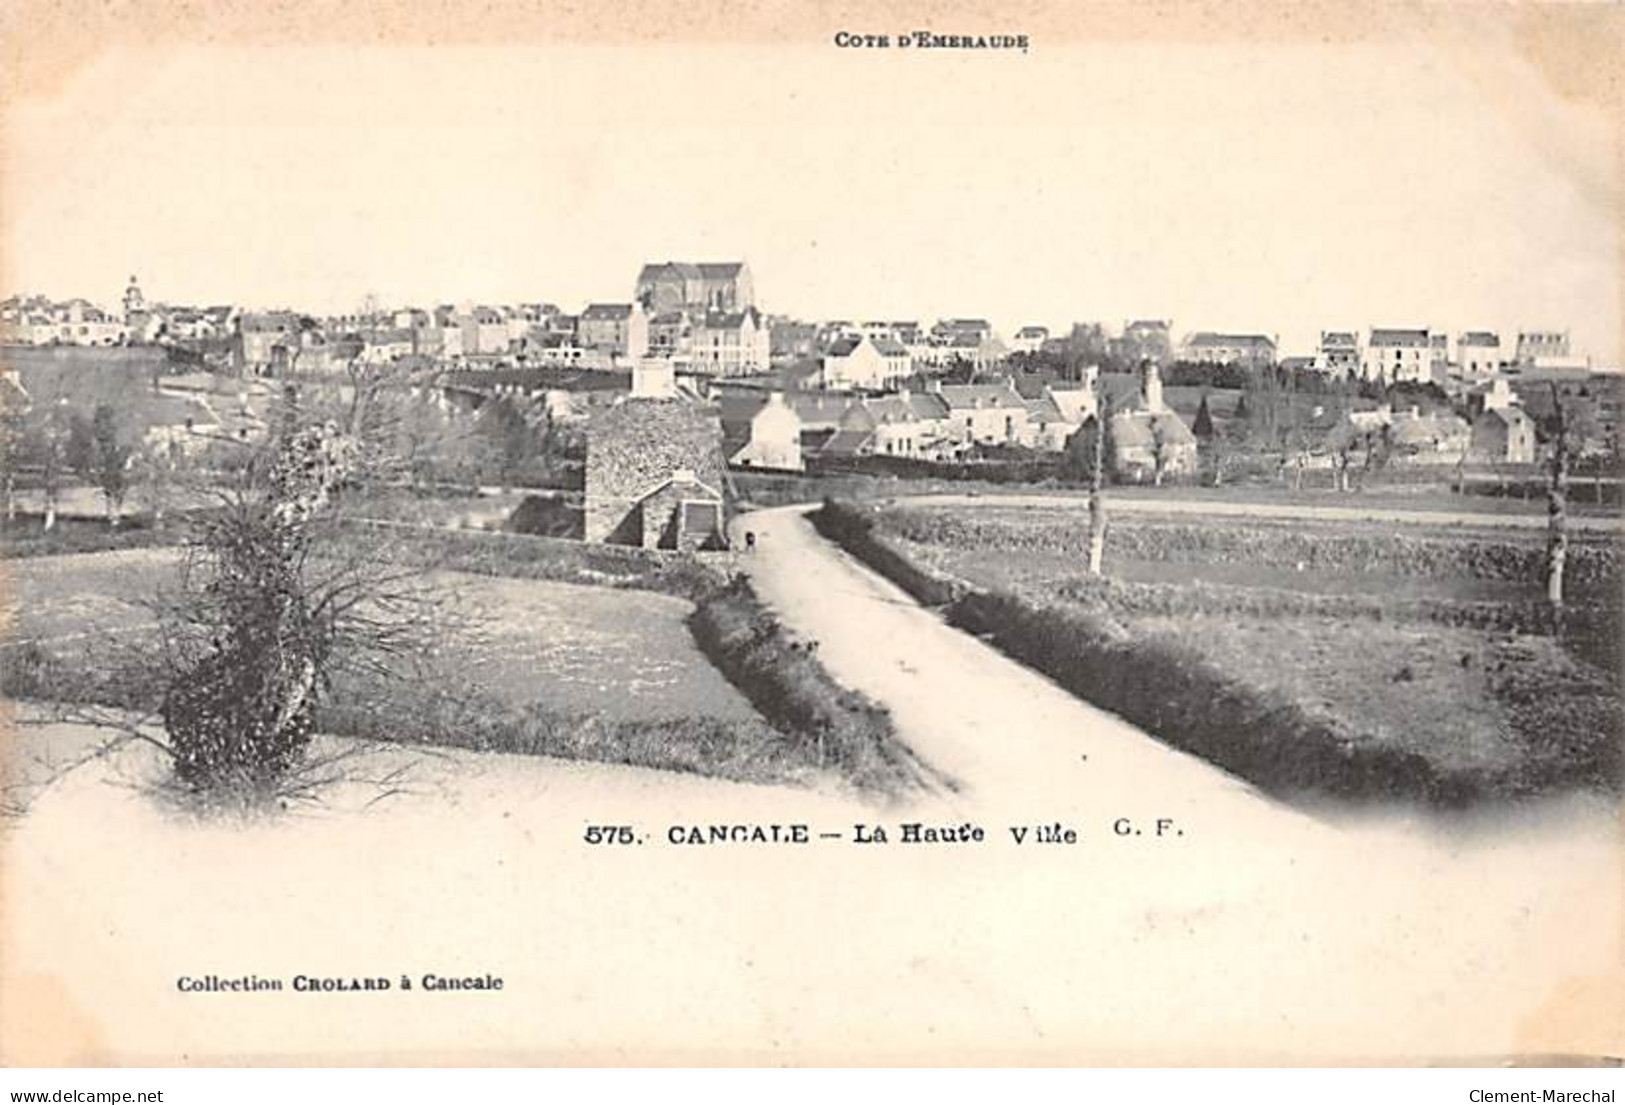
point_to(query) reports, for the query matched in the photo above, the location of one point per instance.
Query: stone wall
(635, 446)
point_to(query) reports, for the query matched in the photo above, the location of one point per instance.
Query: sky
(1270, 188)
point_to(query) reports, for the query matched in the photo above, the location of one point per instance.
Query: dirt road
(1014, 741)
(1258, 935)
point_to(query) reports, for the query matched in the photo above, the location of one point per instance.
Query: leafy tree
(13, 444)
(281, 605)
(80, 447)
(110, 461)
(46, 446)
(1202, 424)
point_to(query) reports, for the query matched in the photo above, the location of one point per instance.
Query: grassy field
(55, 596)
(622, 654)
(1425, 649)
(574, 649)
(1407, 490)
(634, 668)
(1446, 561)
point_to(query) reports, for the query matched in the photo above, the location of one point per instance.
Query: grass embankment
(808, 728)
(1353, 696)
(26, 536)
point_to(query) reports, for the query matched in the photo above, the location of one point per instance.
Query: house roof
(909, 407)
(729, 320)
(1426, 428)
(1033, 385)
(1480, 338)
(1208, 338)
(1398, 337)
(847, 441)
(1033, 332)
(1075, 404)
(818, 408)
(1044, 409)
(886, 347)
(1340, 338)
(268, 321)
(1131, 429)
(655, 270)
(815, 409)
(1514, 417)
(689, 270)
(607, 312)
(793, 375)
(685, 481)
(972, 396)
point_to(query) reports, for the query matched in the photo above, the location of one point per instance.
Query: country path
(1018, 745)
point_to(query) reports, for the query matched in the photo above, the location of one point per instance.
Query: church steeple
(134, 303)
(1151, 386)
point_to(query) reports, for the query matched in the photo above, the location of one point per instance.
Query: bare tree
(1573, 430)
(49, 445)
(14, 409)
(1160, 449)
(1097, 481)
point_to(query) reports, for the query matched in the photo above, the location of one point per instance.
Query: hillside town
(784, 394)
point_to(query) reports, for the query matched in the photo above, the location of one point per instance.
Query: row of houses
(1421, 355)
(39, 320)
(703, 317)
(657, 459)
(942, 422)
(949, 422)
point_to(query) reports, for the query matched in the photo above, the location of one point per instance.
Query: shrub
(547, 516)
(520, 556)
(853, 528)
(847, 730)
(27, 537)
(731, 748)
(1171, 690)
(1595, 565)
(1077, 632)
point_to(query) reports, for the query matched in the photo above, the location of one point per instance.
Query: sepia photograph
(834, 534)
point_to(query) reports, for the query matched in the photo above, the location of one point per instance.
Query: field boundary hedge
(809, 720)
(1594, 564)
(556, 559)
(1177, 694)
(790, 687)
(853, 529)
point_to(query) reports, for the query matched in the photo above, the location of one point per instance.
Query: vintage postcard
(818, 534)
